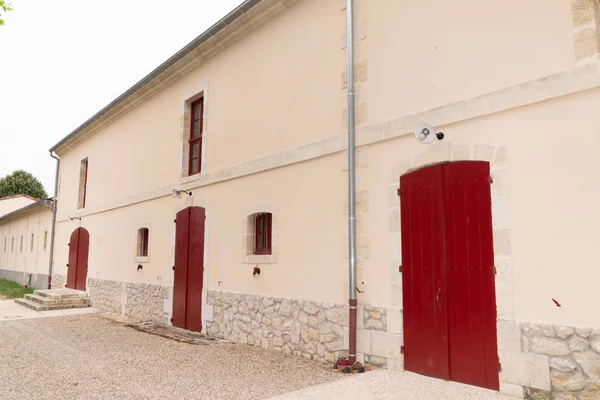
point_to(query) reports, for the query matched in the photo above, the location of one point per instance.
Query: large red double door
(448, 273)
(189, 268)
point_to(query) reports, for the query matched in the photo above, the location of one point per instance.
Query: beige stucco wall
(34, 258)
(425, 54)
(8, 205)
(552, 194)
(551, 235)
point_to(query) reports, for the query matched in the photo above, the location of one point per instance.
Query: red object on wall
(189, 268)
(78, 259)
(448, 273)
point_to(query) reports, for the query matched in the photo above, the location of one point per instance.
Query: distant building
(25, 244)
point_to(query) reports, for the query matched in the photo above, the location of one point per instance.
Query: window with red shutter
(195, 142)
(143, 240)
(262, 233)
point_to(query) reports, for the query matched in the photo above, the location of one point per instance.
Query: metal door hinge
(495, 270)
(173, 268)
(400, 269)
(401, 349)
(499, 367)
(398, 192)
(490, 179)
(174, 221)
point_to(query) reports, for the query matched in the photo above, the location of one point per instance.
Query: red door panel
(72, 265)
(470, 263)
(189, 268)
(195, 269)
(423, 274)
(181, 266)
(78, 259)
(82, 259)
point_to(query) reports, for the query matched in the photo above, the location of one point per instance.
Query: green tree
(22, 182)
(4, 7)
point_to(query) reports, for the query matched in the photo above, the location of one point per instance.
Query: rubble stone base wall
(318, 331)
(574, 356)
(137, 300)
(58, 281)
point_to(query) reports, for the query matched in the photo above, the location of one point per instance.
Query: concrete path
(388, 385)
(10, 311)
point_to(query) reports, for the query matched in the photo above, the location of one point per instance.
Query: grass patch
(13, 290)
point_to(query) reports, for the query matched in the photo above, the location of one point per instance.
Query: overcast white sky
(62, 61)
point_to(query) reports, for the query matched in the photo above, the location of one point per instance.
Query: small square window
(143, 239)
(263, 237)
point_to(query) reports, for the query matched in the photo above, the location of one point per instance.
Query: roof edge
(18, 195)
(30, 207)
(213, 30)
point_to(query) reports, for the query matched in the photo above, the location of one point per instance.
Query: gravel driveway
(92, 357)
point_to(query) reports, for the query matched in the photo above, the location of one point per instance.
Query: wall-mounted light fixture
(177, 193)
(72, 218)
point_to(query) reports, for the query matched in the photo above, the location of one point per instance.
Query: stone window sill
(190, 178)
(259, 259)
(142, 259)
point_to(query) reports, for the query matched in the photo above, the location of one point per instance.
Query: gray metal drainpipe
(351, 185)
(53, 228)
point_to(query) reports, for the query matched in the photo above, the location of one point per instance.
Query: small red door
(78, 259)
(448, 273)
(189, 268)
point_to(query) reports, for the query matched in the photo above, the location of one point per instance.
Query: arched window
(142, 242)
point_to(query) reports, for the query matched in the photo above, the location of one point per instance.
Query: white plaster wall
(28, 260)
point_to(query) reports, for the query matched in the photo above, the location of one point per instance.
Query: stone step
(48, 301)
(42, 307)
(57, 294)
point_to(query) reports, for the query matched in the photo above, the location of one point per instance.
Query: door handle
(437, 295)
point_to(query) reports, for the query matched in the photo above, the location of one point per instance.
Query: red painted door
(78, 259)
(423, 273)
(189, 268)
(470, 271)
(448, 273)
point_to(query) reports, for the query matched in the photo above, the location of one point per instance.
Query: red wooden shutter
(195, 269)
(72, 265)
(470, 270)
(181, 266)
(82, 259)
(423, 273)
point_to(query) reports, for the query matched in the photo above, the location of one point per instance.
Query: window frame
(144, 240)
(83, 170)
(263, 234)
(197, 140)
